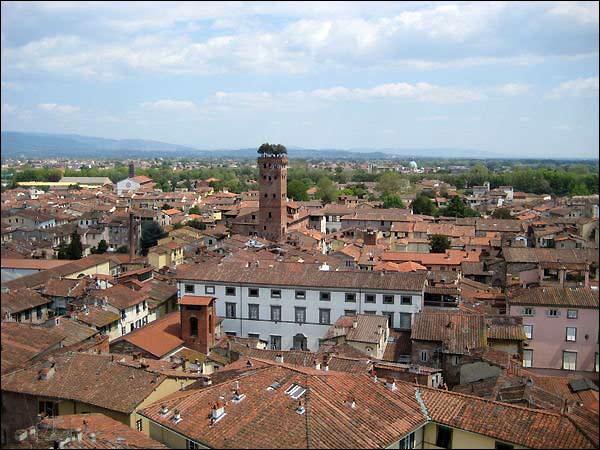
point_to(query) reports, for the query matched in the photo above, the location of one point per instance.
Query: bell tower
(272, 164)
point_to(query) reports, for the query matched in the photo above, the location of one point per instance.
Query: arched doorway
(300, 342)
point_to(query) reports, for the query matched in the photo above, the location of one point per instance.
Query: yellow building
(168, 254)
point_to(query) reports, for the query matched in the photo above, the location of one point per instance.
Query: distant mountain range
(46, 145)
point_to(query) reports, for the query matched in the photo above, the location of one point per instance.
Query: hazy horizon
(510, 79)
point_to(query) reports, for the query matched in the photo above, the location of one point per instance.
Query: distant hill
(46, 145)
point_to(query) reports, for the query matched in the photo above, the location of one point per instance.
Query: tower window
(193, 326)
(274, 196)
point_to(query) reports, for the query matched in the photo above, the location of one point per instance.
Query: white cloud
(580, 87)
(563, 127)
(56, 108)
(7, 108)
(582, 12)
(11, 86)
(512, 89)
(168, 105)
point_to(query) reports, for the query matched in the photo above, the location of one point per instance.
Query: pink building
(561, 325)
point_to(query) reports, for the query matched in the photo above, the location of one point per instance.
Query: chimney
(350, 401)
(31, 431)
(131, 170)
(279, 358)
(78, 434)
(317, 364)
(92, 437)
(300, 410)
(217, 412)
(354, 323)
(46, 373)
(390, 384)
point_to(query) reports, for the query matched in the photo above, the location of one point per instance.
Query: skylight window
(295, 391)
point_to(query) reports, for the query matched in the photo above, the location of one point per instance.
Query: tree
(151, 233)
(165, 207)
(458, 208)
(423, 205)
(74, 250)
(392, 201)
(102, 247)
(391, 183)
(439, 243)
(502, 213)
(327, 190)
(196, 224)
(297, 190)
(194, 210)
(123, 249)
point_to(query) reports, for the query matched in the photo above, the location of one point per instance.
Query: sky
(507, 78)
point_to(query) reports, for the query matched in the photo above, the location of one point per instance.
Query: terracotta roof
(199, 300)
(510, 423)
(505, 328)
(108, 432)
(450, 258)
(39, 278)
(20, 300)
(380, 418)
(159, 290)
(459, 333)
(120, 297)
(556, 296)
(368, 327)
(95, 316)
(67, 287)
(86, 378)
(74, 332)
(141, 179)
(39, 264)
(537, 255)
(21, 342)
(159, 337)
(301, 274)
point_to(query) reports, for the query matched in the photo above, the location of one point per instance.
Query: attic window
(176, 416)
(274, 386)
(295, 391)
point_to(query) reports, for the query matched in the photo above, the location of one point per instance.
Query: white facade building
(292, 305)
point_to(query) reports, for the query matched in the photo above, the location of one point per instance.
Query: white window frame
(571, 365)
(572, 314)
(571, 334)
(423, 355)
(528, 362)
(528, 335)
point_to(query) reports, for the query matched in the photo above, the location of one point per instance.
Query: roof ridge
(474, 397)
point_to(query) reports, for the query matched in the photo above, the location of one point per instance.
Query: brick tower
(272, 214)
(198, 318)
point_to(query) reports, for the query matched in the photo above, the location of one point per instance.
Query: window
(275, 293)
(596, 363)
(189, 288)
(123, 314)
(388, 299)
(191, 444)
(229, 290)
(325, 296)
(301, 295)
(370, 298)
(324, 316)
(390, 318)
(300, 314)
(137, 308)
(444, 437)
(144, 305)
(349, 312)
(27, 314)
(503, 446)
(276, 313)
(209, 289)
(405, 319)
(48, 408)
(254, 335)
(528, 330)
(408, 441)
(553, 313)
(528, 312)
(370, 312)
(423, 355)
(123, 331)
(527, 358)
(571, 314)
(252, 311)
(454, 360)
(350, 297)
(275, 342)
(569, 360)
(571, 334)
(406, 300)
(131, 327)
(138, 425)
(231, 333)
(252, 292)
(230, 310)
